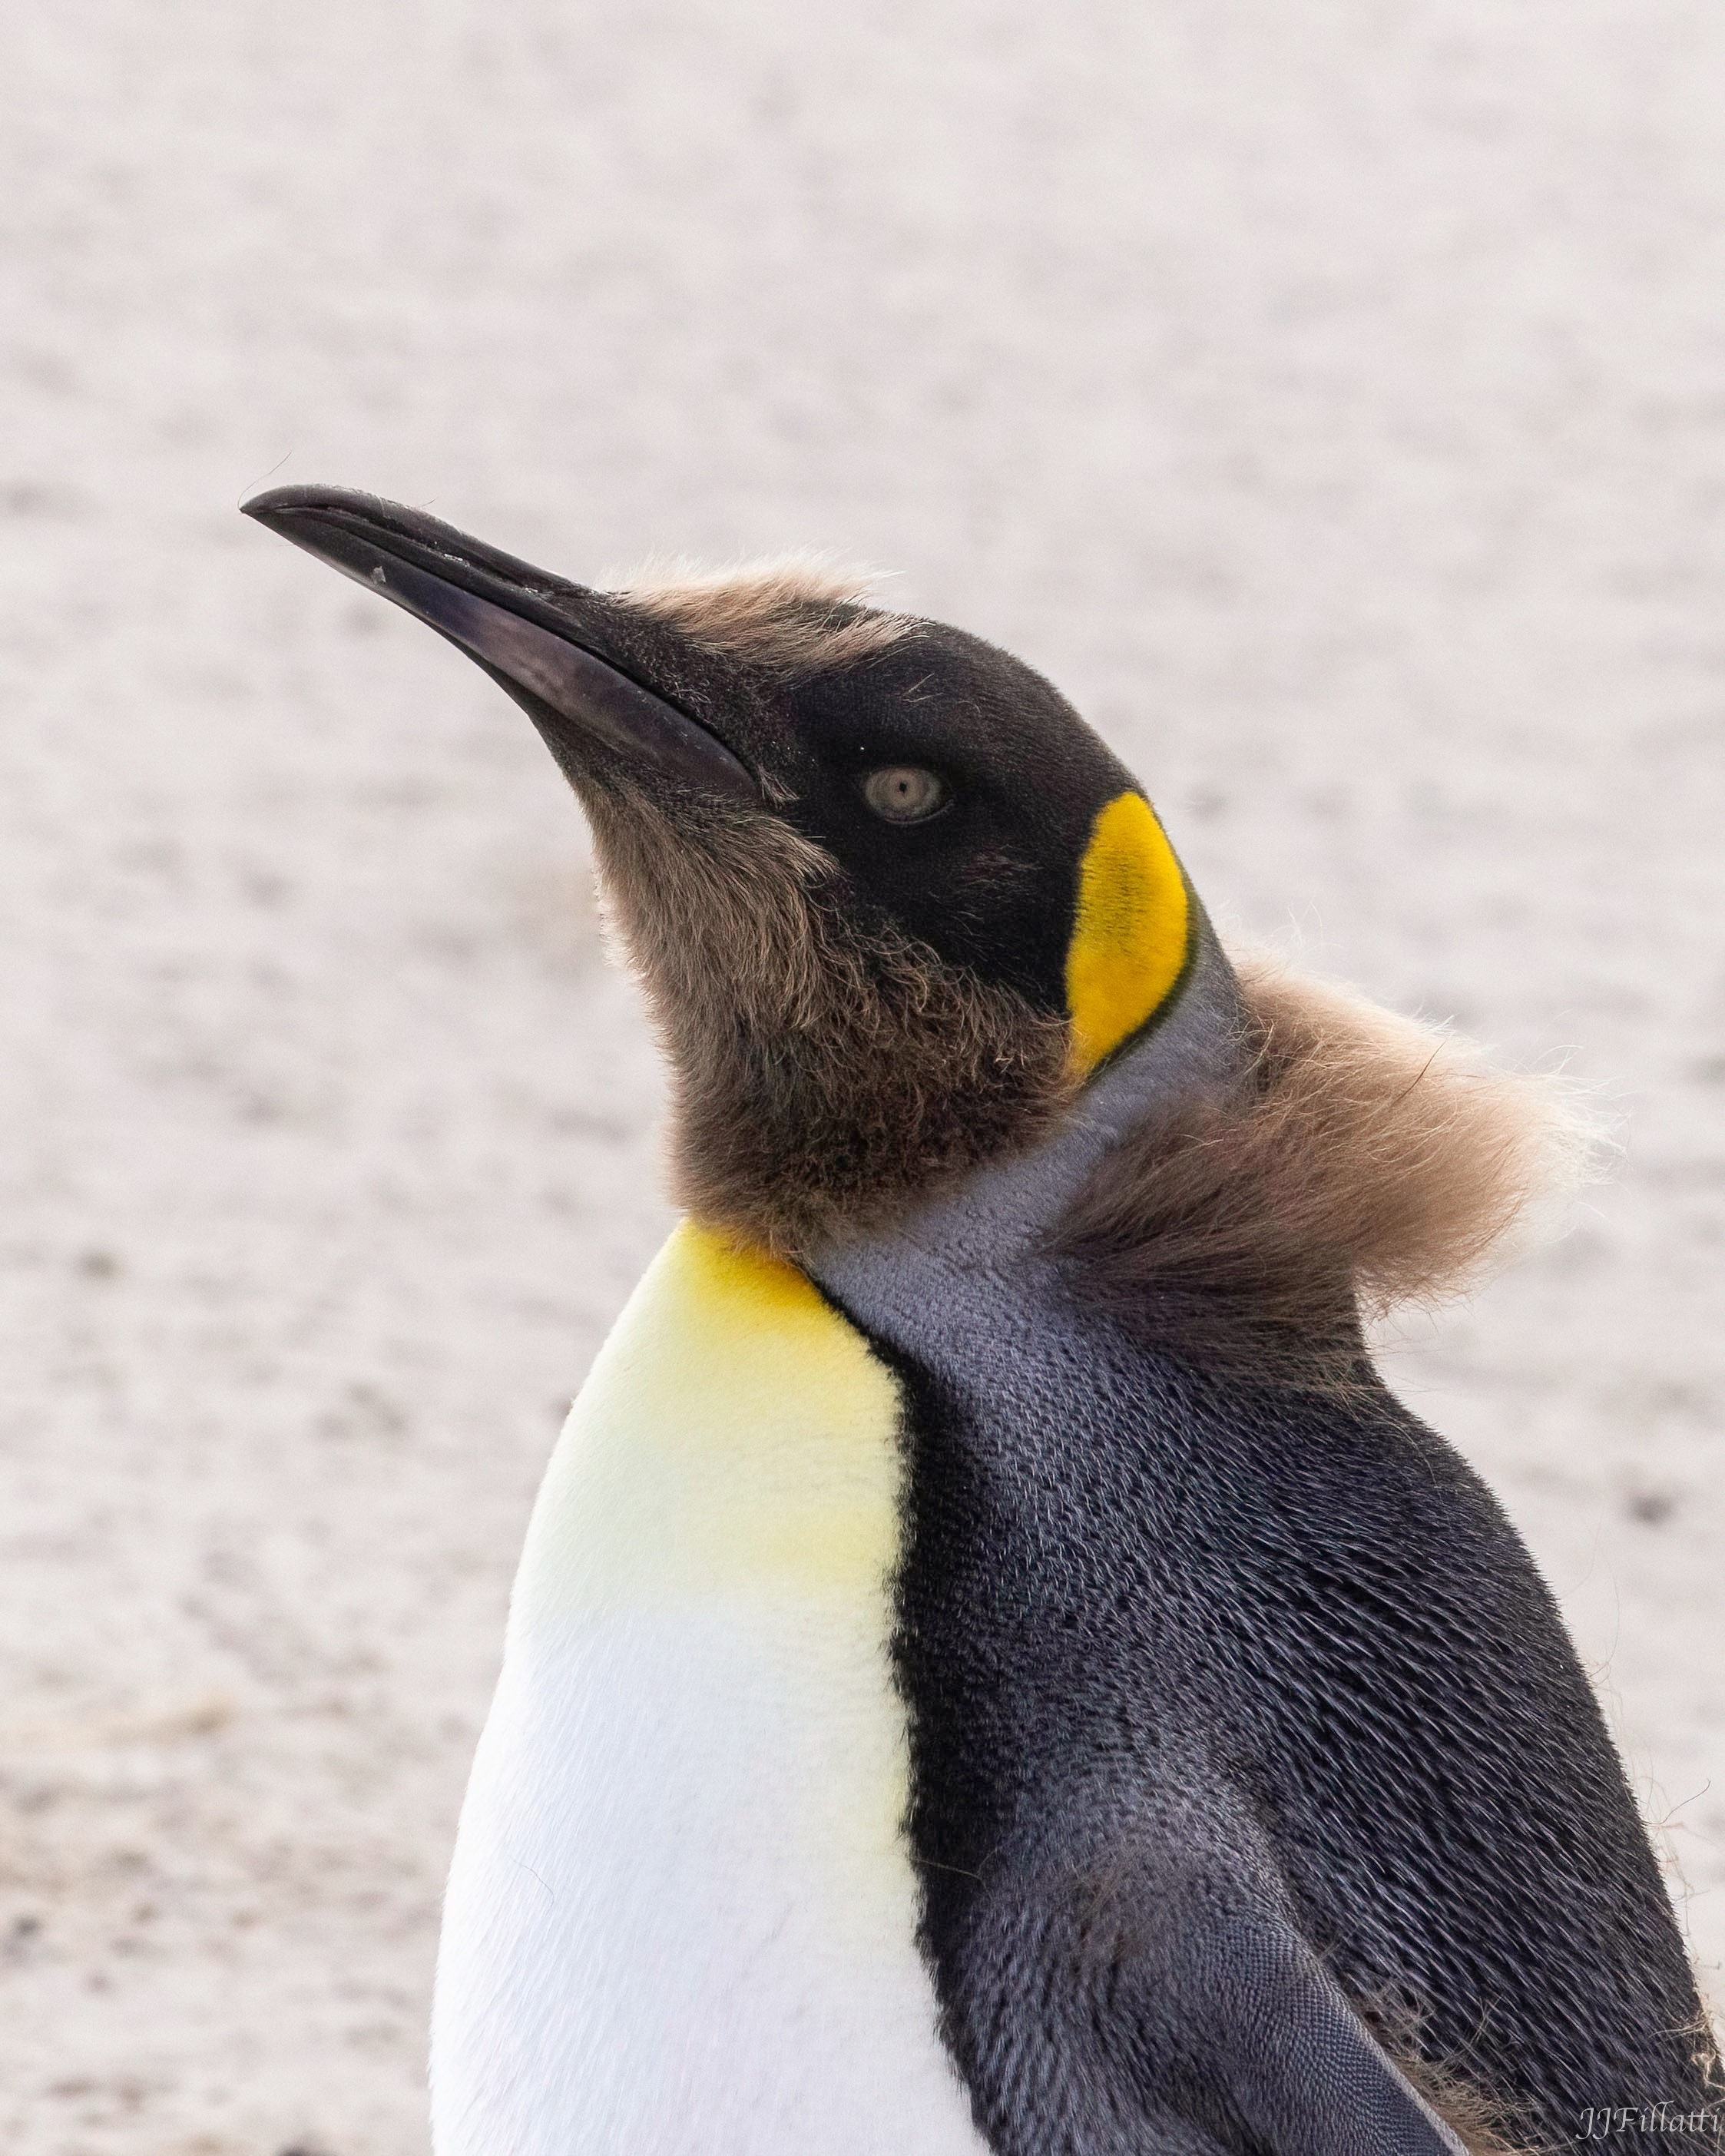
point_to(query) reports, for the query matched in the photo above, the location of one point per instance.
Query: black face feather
(986, 880)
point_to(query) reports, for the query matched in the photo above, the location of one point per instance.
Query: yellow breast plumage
(683, 1911)
(736, 1436)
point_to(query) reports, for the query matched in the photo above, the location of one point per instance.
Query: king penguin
(992, 1668)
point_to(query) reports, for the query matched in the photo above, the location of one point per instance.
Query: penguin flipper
(1191, 2023)
(1291, 2061)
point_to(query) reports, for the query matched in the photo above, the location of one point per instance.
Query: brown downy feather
(1476, 2123)
(1483, 2126)
(796, 614)
(1361, 1161)
(824, 1076)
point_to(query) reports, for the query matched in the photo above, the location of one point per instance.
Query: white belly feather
(681, 1917)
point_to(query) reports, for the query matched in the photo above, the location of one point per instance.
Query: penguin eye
(904, 793)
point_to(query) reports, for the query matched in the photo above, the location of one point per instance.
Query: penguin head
(893, 902)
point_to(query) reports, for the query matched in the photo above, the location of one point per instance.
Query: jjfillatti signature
(1601, 2122)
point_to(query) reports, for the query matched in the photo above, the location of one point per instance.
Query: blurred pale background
(1332, 398)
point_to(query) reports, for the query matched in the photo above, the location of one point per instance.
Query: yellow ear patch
(1130, 938)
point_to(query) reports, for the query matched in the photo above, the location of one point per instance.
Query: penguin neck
(995, 1222)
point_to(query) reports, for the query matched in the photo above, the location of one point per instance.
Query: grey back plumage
(1248, 1748)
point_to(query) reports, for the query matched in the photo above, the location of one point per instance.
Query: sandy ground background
(1332, 398)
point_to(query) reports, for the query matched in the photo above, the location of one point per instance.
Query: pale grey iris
(904, 793)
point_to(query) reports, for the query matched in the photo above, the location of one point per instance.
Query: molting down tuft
(1361, 1161)
(792, 614)
(828, 1072)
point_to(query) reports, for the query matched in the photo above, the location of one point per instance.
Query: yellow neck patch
(1131, 932)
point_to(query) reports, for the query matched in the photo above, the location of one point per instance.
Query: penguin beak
(531, 633)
